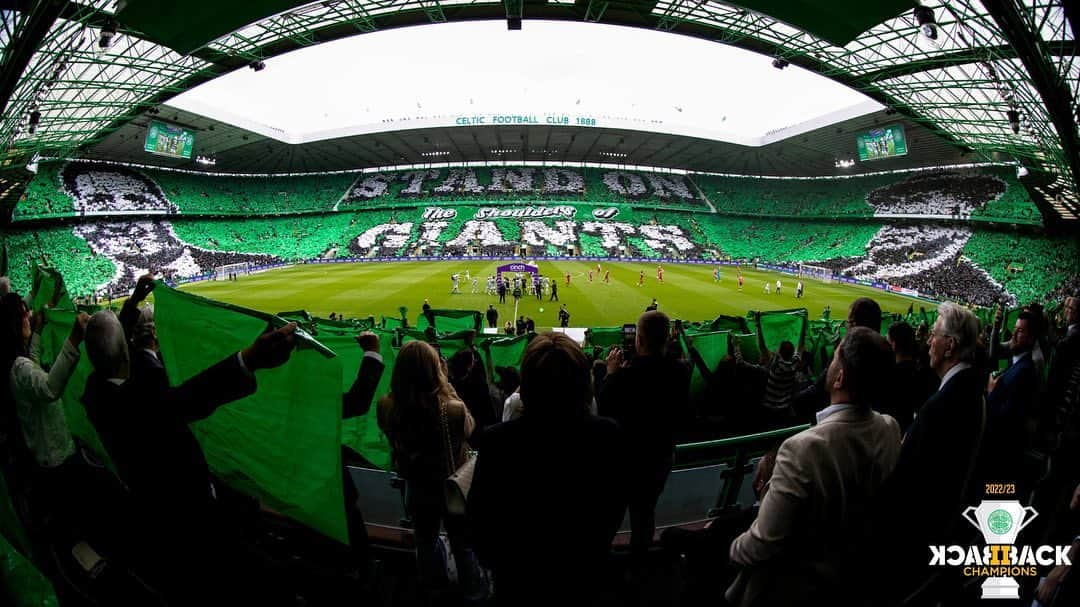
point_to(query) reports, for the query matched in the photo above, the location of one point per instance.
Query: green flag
(782, 325)
(362, 434)
(713, 347)
(281, 444)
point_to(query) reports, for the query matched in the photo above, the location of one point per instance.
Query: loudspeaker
(513, 23)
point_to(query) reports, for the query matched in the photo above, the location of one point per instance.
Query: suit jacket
(1066, 356)
(547, 493)
(357, 401)
(143, 424)
(810, 531)
(650, 402)
(910, 385)
(933, 464)
(1010, 409)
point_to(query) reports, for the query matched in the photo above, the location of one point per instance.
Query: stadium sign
(431, 213)
(554, 119)
(531, 212)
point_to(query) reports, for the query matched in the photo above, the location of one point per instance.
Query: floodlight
(108, 34)
(928, 27)
(1014, 121)
(780, 63)
(258, 66)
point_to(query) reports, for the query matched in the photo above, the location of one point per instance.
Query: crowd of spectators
(44, 195)
(989, 194)
(1028, 266)
(525, 184)
(224, 195)
(945, 262)
(946, 193)
(73, 188)
(794, 198)
(136, 246)
(891, 416)
(101, 188)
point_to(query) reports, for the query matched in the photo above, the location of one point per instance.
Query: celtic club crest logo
(1000, 522)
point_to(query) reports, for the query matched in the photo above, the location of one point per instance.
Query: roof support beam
(1055, 95)
(963, 57)
(20, 49)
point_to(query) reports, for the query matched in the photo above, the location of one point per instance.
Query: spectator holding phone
(649, 398)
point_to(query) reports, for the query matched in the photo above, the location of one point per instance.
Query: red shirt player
(607, 276)
(660, 273)
(590, 275)
(568, 279)
(641, 278)
(740, 282)
(598, 269)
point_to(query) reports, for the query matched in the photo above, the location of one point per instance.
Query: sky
(590, 69)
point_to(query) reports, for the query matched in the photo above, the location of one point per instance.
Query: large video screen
(885, 142)
(169, 140)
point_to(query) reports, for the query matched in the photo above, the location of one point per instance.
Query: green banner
(782, 325)
(280, 444)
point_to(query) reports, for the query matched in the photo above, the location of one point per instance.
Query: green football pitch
(688, 291)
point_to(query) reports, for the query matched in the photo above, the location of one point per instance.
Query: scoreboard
(167, 139)
(886, 142)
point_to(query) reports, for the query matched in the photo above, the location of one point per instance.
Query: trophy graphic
(1000, 521)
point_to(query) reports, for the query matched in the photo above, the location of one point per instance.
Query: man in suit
(492, 316)
(1066, 356)
(807, 545)
(356, 403)
(939, 457)
(649, 398)
(1059, 425)
(181, 536)
(1011, 398)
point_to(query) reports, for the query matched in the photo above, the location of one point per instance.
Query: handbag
(456, 486)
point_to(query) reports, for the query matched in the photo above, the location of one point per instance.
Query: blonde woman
(427, 425)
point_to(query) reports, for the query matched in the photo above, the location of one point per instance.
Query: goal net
(223, 272)
(807, 271)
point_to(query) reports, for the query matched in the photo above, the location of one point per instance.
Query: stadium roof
(809, 149)
(986, 59)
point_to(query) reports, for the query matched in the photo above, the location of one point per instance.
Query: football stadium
(629, 302)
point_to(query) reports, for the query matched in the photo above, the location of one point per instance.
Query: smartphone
(629, 338)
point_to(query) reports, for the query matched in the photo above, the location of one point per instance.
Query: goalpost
(823, 274)
(223, 272)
